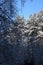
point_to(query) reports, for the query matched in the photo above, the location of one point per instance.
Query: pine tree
(9, 6)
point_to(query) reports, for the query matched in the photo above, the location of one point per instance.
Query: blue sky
(30, 7)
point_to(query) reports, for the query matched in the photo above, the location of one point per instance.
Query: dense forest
(20, 43)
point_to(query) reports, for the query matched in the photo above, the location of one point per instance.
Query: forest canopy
(21, 40)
